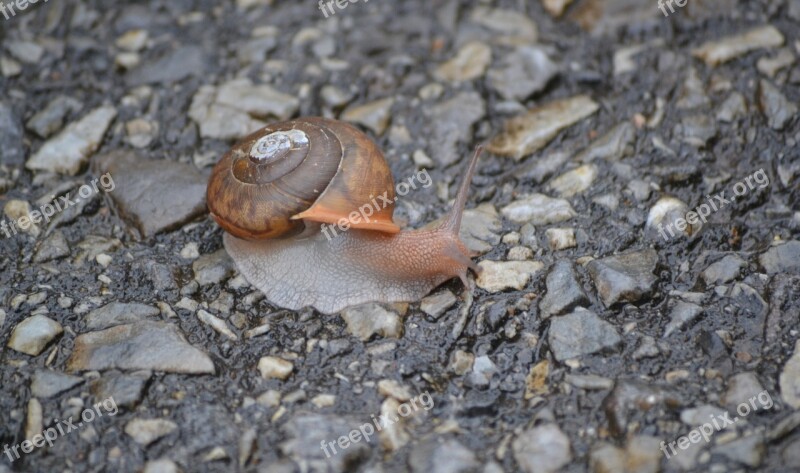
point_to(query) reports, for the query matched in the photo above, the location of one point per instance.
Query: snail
(274, 189)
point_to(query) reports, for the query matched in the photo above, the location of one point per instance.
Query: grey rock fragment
(741, 388)
(782, 258)
(640, 455)
(775, 106)
(126, 389)
(146, 431)
(118, 313)
(563, 291)
(725, 270)
(50, 119)
(451, 124)
(733, 108)
(722, 50)
(748, 450)
(11, 136)
(522, 73)
(442, 456)
(542, 449)
(155, 196)
(681, 314)
(480, 227)
(68, 151)
(212, 268)
(153, 346)
(538, 209)
(437, 304)
(366, 320)
(306, 432)
(526, 134)
(790, 379)
(374, 115)
(47, 383)
(697, 130)
(33, 334)
(172, 67)
(580, 333)
(53, 247)
(626, 277)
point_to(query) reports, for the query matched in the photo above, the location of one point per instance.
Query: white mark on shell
(276, 145)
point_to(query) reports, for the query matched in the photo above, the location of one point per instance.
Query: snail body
(273, 190)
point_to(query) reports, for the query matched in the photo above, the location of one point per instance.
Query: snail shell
(312, 169)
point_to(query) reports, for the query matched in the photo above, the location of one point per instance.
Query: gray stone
(616, 144)
(626, 277)
(364, 321)
(153, 346)
(220, 121)
(305, 433)
(723, 271)
(172, 67)
(442, 456)
(580, 333)
(748, 450)
(496, 276)
(47, 383)
(68, 151)
(538, 209)
(53, 247)
(733, 108)
(523, 72)
(775, 106)
(783, 258)
(50, 119)
(118, 313)
(480, 227)
(11, 136)
(722, 50)
(374, 115)
(563, 291)
(126, 389)
(741, 388)
(154, 195)
(33, 334)
(790, 379)
(697, 130)
(542, 449)
(483, 368)
(258, 101)
(212, 268)
(526, 134)
(451, 124)
(470, 62)
(681, 314)
(574, 181)
(693, 92)
(436, 304)
(146, 431)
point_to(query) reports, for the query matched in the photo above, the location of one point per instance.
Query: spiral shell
(312, 169)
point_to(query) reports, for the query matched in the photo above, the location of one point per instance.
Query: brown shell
(339, 171)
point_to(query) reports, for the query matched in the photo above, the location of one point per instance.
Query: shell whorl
(313, 169)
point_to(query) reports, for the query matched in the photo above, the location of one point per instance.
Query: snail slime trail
(288, 177)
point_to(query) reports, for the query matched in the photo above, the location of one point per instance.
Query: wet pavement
(637, 217)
